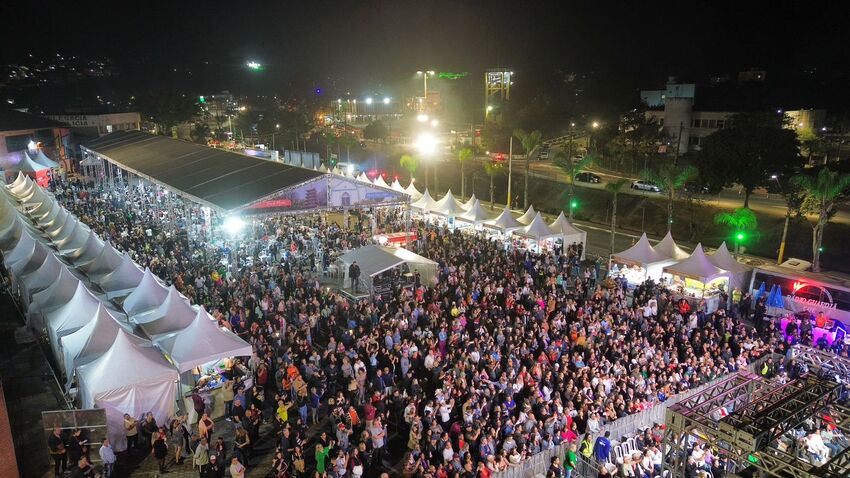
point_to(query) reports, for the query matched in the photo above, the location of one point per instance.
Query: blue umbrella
(778, 300)
(760, 291)
(770, 295)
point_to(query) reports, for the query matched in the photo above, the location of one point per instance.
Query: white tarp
(123, 279)
(86, 252)
(529, 216)
(106, 261)
(538, 230)
(425, 202)
(150, 294)
(40, 278)
(89, 342)
(201, 342)
(504, 222)
(71, 316)
(697, 266)
(128, 378)
(448, 205)
(173, 314)
(476, 214)
(668, 248)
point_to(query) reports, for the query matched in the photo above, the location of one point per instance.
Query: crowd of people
(510, 353)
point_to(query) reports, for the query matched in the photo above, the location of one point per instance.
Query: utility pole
(678, 145)
(510, 169)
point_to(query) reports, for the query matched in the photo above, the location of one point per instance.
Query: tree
(409, 163)
(200, 132)
(530, 142)
(823, 194)
(464, 155)
(793, 196)
(167, 108)
(614, 188)
(347, 141)
(376, 131)
(670, 178)
(748, 152)
(742, 220)
(638, 138)
(571, 168)
(492, 169)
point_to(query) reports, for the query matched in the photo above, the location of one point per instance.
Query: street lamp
(369, 101)
(386, 101)
(595, 124)
(422, 118)
(254, 65)
(426, 144)
(425, 75)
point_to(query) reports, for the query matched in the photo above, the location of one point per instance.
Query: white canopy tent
(86, 252)
(572, 234)
(396, 186)
(22, 188)
(174, 313)
(695, 276)
(75, 239)
(538, 230)
(149, 295)
(39, 278)
(639, 262)
(64, 220)
(42, 209)
(56, 294)
(201, 342)
(34, 196)
(20, 255)
(470, 202)
(128, 378)
(476, 214)
(71, 316)
(123, 279)
(56, 214)
(668, 248)
(31, 263)
(379, 181)
(21, 178)
(425, 203)
(696, 266)
(42, 159)
(738, 273)
(529, 216)
(364, 178)
(504, 222)
(89, 342)
(374, 260)
(414, 193)
(448, 205)
(105, 262)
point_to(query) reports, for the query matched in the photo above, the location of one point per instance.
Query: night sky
(365, 44)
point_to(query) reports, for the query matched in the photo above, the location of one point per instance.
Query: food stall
(476, 216)
(572, 234)
(668, 248)
(396, 239)
(739, 274)
(696, 278)
(537, 235)
(638, 263)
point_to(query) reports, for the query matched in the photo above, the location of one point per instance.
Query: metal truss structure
(743, 416)
(497, 88)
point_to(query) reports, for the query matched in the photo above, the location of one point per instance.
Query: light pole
(425, 75)
(426, 144)
(787, 220)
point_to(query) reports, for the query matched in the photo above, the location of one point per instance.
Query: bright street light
(386, 101)
(426, 144)
(434, 123)
(773, 176)
(368, 101)
(489, 107)
(233, 225)
(349, 169)
(422, 118)
(595, 124)
(254, 65)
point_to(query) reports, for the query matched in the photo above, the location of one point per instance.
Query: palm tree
(410, 163)
(530, 142)
(492, 169)
(571, 168)
(742, 220)
(823, 194)
(670, 178)
(463, 156)
(200, 132)
(614, 188)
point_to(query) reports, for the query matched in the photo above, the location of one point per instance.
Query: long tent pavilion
(227, 182)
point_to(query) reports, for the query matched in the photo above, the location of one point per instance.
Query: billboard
(327, 192)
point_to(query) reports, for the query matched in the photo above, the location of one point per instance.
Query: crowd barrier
(539, 463)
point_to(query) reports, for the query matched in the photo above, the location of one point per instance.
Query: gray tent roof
(222, 179)
(375, 259)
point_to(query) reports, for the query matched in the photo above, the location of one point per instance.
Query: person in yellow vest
(586, 447)
(736, 299)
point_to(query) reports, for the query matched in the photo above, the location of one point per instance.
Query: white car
(646, 186)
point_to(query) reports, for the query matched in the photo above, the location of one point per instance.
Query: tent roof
(41, 209)
(60, 291)
(448, 205)
(46, 273)
(222, 179)
(564, 226)
(468, 204)
(426, 202)
(106, 261)
(20, 161)
(697, 266)
(86, 252)
(19, 179)
(641, 253)
(95, 337)
(201, 342)
(396, 186)
(364, 178)
(528, 216)
(126, 364)
(149, 294)
(374, 259)
(75, 238)
(379, 181)
(40, 158)
(476, 213)
(723, 259)
(413, 192)
(174, 313)
(127, 275)
(538, 229)
(32, 257)
(76, 312)
(668, 248)
(505, 221)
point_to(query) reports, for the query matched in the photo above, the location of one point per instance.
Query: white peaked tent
(21, 252)
(56, 226)
(55, 214)
(448, 205)
(364, 178)
(89, 342)
(37, 211)
(336, 171)
(528, 216)
(105, 262)
(468, 204)
(11, 233)
(572, 234)
(21, 178)
(323, 168)
(668, 248)
(40, 278)
(174, 313)
(739, 273)
(396, 186)
(32, 262)
(414, 193)
(149, 295)
(125, 277)
(504, 222)
(75, 239)
(539, 230)
(425, 203)
(23, 187)
(697, 267)
(641, 255)
(128, 378)
(70, 317)
(476, 214)
(201, 342)
(56, 294)
(379, 181)
(86, 252)
(42, 159)
(34, 196)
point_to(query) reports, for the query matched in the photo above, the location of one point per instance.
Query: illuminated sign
(272, 203)
(447, 75)
(799, 287)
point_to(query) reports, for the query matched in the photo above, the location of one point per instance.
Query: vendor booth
(529, 216)
(668, 248)
(384, 268)
(414, 193)
(572, 234)
(128, 378)
(122, 280)
(425, 203)
(739, 274)
(150, 294)
(173, 314)
(448, 208)
(537, 236)
(475, 215)
(504, 223)
(638, 263)
(89, 342)
(469, 203)
(696, 278)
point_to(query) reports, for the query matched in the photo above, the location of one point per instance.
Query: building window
(695, 123)
(721, 124)
(694, 141)
(712, 124)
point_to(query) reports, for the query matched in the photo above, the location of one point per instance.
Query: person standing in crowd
(58, 451)
(160, 448)
(131, 431)
(354, 275)
(107, 457)
(202, 458)
(237, 469)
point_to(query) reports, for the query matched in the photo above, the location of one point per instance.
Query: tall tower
(497, 90)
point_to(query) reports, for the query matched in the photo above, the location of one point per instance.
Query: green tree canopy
(822, 194)
(376, 130)
(167, 108)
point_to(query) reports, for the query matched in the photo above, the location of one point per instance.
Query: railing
(540, 462)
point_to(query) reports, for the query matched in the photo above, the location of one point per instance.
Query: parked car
(544, 152)
(588, 178)
(692, 187)
(646, 186)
